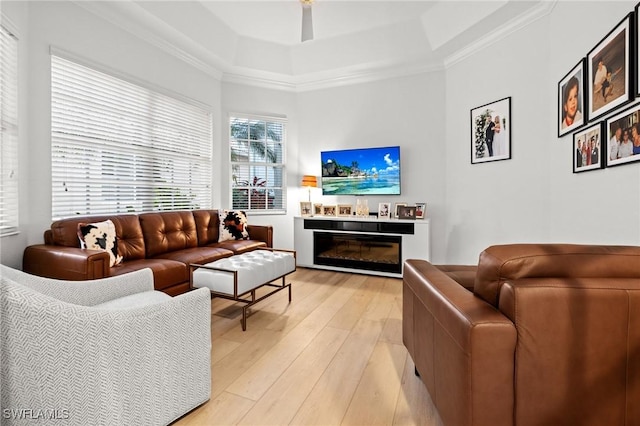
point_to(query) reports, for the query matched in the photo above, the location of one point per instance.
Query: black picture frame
(591, 156)
(609, 70)
(636, 62)
(485, 147)
(627, 120)
(571, 89)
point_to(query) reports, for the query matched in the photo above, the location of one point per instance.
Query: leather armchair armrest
(459, 344)
(65, 263)
(262, 233)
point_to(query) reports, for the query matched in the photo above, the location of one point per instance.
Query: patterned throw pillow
(233, 225)
(100, 236)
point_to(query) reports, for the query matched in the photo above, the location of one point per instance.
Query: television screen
(364, 171)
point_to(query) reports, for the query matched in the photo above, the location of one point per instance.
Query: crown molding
(542, 9)
(106, 11)
(135, 20)
(330, 79)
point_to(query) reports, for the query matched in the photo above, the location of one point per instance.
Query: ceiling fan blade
(307, 21)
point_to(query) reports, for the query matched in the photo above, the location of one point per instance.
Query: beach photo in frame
(491, 131)
(608, 77)
(571, 100)
(623, 137)
(589, 148)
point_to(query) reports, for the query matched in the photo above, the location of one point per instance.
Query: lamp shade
(310, 181)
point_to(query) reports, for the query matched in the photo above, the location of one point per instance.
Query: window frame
(282, 200)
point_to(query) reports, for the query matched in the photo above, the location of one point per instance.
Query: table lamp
(309, 181)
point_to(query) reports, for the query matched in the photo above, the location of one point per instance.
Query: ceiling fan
(307, 21)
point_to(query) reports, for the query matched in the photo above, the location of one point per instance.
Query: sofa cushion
(168, 231)
(199, 255)
(207, 226)
(233, 225)
(166, 273)
(241, 246)
(498, 264)
(100, 236)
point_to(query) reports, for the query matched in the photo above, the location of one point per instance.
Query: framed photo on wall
(623, 137)
(589, 148)
(571, 100)
(491, 131)
(608, 71)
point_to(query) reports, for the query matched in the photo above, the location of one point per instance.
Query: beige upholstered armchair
(102, 352)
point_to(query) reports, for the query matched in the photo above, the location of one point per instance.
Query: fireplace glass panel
(358, 251)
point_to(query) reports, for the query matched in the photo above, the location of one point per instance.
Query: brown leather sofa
(166, 242)
(549, 334)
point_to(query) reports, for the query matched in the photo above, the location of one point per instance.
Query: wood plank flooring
(334, 356)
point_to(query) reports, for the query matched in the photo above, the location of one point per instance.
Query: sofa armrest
(262, 233)
(462, 347)
(65, 263)
(147, 365)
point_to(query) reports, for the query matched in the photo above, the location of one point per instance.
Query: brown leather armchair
(548, 335)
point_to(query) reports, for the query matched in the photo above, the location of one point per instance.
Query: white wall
(244, 99)
(534, 197)
(404, 111)
(69, 27)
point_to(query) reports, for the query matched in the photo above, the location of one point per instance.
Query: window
(9, 132)
(117, 147)
(257, 163)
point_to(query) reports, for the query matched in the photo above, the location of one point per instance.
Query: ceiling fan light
(307, 21)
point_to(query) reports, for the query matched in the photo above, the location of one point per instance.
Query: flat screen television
(363, 171)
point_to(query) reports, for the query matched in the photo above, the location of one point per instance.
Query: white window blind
(257, 164)
(117, 147)
(9, 133)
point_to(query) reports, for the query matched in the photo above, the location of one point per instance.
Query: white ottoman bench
(235, 276)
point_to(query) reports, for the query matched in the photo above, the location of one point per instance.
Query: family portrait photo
(491, 132)
(571, 100)
(623, 136)
(588, 149)
(608, 71)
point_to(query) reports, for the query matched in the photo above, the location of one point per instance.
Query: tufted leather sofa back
(130, 240)
(168, 231)
(207, 225)
(499, 264)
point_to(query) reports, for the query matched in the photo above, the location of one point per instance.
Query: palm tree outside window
(257, 163)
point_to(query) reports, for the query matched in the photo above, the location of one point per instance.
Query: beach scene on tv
(365, 171)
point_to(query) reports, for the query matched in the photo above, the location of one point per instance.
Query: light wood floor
(334, 356)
